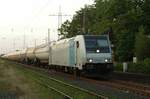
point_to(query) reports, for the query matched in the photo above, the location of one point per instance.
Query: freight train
(89, 54)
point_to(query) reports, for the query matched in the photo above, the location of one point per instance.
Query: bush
(118, 67)
(136, 68)
(140, 67)
(147, 65)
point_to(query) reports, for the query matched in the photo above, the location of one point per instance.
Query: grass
(12, 80)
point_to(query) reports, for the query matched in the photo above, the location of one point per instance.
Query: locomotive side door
(72, 52)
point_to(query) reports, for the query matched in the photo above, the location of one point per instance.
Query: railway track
(45, 84)
(44, 81)
(127, 86)
(133, 87)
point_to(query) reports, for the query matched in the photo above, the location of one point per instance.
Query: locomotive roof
(63, 40)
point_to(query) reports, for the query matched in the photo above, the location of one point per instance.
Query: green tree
(146, 15)
(65, 29)
(123, 16)
(142, 45)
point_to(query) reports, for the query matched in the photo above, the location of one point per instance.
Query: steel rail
(84, 90)
(41, 82)
(119, 84)
(132, 87)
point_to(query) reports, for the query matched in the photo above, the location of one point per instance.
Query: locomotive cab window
(77, 44)
(94, 43)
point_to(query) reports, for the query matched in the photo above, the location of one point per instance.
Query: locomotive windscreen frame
(94, 43)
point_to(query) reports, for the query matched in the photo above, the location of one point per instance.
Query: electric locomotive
(90, 54)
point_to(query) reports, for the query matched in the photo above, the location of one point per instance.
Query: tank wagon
(14, 56)
(30, 55)
(23, 55)
(36, 55)
(89, 54)
(42, 54)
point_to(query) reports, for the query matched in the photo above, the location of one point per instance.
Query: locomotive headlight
(97, 50)
(90, 60)
(106, 60)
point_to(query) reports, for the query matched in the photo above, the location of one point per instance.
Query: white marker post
(125, 66)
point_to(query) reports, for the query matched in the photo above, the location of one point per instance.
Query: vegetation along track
(68, 91)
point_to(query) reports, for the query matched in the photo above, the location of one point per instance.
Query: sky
(29, 20)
